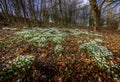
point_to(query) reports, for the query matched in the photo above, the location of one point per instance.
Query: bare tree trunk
(24, 11)
(118, 27)
(5, 8)
(96, 14)
(61, 14)
(96, 21)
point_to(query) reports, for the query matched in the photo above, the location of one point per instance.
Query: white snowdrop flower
(98, 40)
(58, 48)
(9, 62)
(43, 39)
(98, 52)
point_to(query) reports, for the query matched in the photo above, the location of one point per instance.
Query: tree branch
(109, 5)
(101, 4)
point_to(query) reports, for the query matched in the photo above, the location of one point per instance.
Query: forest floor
(59, 55)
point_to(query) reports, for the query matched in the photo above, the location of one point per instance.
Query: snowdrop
(98, 53)
(17, 64)
(58, 48)
(79, 31)
(57, 40)
(42, 36)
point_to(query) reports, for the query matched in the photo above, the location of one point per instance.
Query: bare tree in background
(61, 12)
(96, 8)
(96, 12)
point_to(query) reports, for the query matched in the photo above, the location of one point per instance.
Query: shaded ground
(73, 65)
